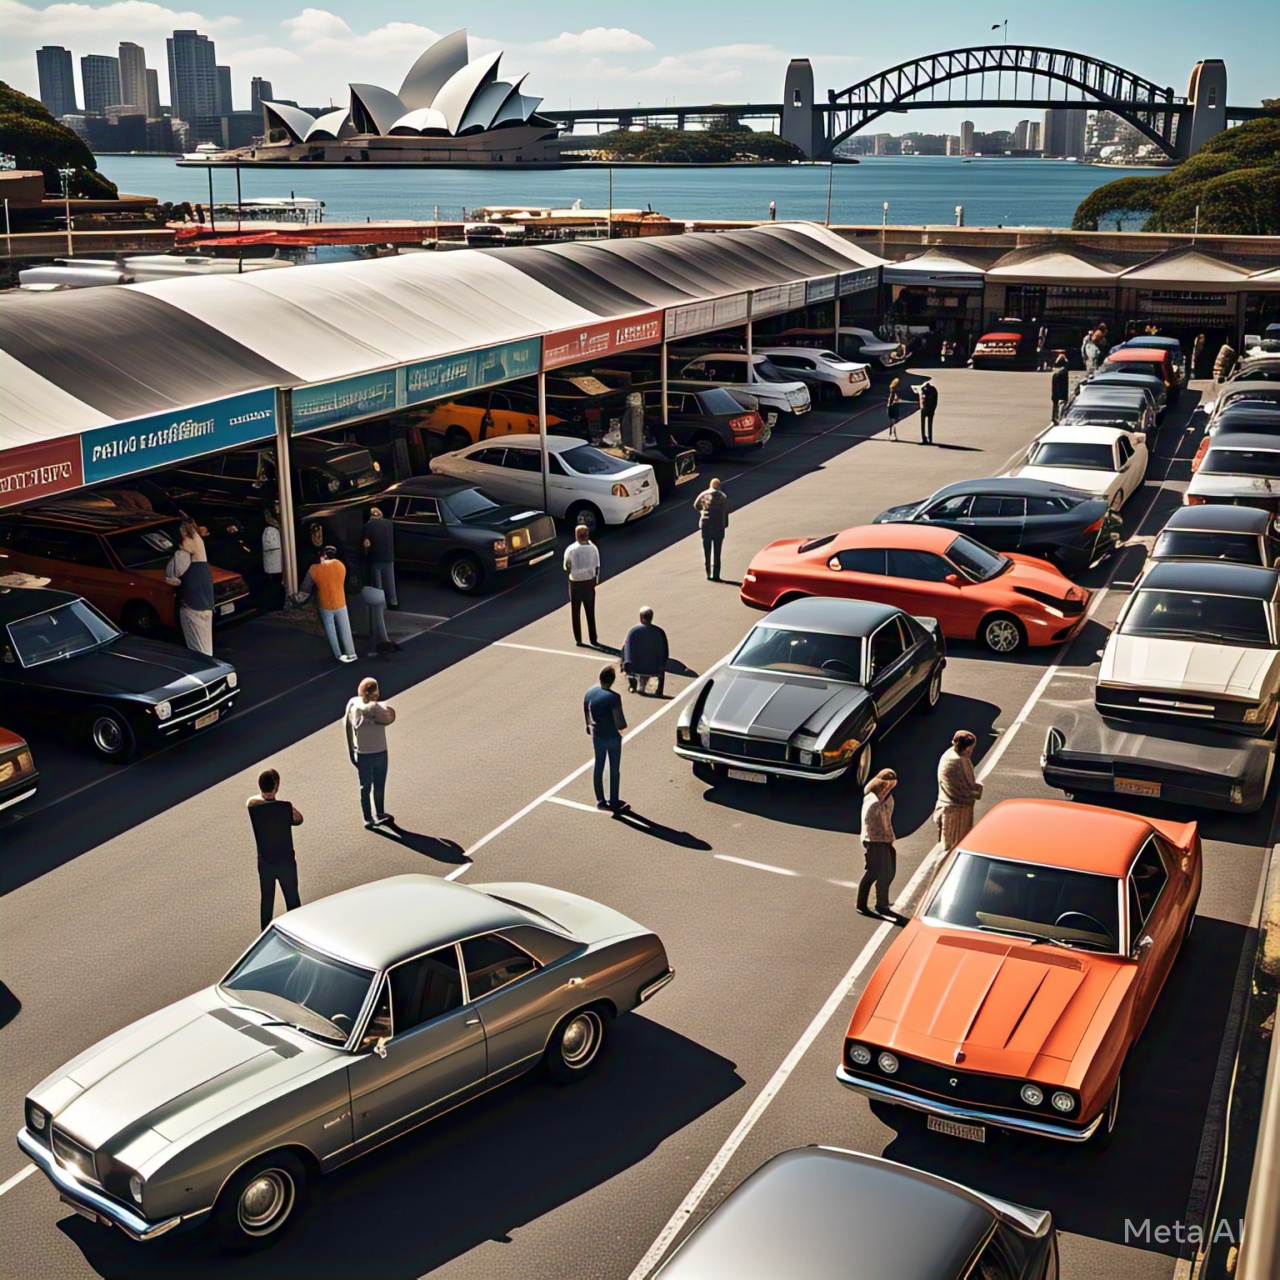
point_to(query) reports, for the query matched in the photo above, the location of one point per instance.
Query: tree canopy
(1234, 179)
(36, 140)
(720, 143)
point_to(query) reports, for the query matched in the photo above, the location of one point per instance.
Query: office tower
(224, 91)
(1063, 132)
(153, 94)
(133, 76)
(1033, 136)
(1021, 134)
(100, 76)
(966, 137)
(193, 76)
(57, 80)
(260, 91)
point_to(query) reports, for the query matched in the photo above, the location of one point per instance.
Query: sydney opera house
(449, 110)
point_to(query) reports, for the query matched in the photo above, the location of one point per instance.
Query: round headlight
(232, 679)
(37, 1119)
(1032, 1095)
(887, 1063)
(1063, 1101)
(859, 1054)
(163, 710)
(332, 484)
(135, 1187)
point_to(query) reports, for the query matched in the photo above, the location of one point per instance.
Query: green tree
(719, 143)
(37, 141)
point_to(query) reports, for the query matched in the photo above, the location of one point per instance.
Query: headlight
(36, 1119)
(135, 1187)
(887, 1063)
(704, 731)
(804, 742)
(518, 540)
(499, 546)
(163, 710)
(1258, 714)
(684, 733)
(232, 679)
(860, 1055)
(620, 491)
(24, 762)
(377, 466)
(1063, 1101)
(1032, 1095)
(332, 484)
(842, 753)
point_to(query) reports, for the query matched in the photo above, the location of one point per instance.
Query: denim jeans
(382, 575)
(338, 624)
(607, 749)
(270, 875)
(372, 766)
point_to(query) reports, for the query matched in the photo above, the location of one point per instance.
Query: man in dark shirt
(928, 406)
(273, 822)
(602, 711)
(380, 543)
(1060, 384)
(645, 652)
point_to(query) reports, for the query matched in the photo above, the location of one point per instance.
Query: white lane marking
(845, 884)
(576, 804)
(592, 655)
(757, 866)
(17, 1178)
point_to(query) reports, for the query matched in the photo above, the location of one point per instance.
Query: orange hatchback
(1012, 1000)
(1005, 601)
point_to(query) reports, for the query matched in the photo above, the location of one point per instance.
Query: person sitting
(645, 653)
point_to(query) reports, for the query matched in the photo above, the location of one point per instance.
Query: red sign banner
(593, 340)
(40, 470)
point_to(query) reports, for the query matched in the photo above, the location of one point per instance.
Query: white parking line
(577, 804)
(757, 866)
(592, 655)
(10, 1183)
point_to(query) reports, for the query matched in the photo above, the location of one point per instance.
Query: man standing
(602, 711)
(958, 790)
(365, 723)
(582, 564)
(380, 543)
(272, 562)
(327, 578)
(878, 846)
(1224, 362)
(645, 652)
(1196, 348)
(273, 822)
(712, 506)
(189, 571)
(928, 405)
(1060, 384)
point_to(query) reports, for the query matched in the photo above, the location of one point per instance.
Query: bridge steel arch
(1153, 109)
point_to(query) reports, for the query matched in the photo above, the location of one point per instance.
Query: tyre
(456, 438)
(706, 446)
(860, 774)
(932, 691)
(575, 1045)
(585, 513)
(139, 618)
(1002, 633)
(466, 574)
(259, 1201)
(111, 735)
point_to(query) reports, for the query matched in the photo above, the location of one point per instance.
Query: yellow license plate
(1137, 787)
(206, 720)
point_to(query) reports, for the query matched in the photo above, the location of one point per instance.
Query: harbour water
(919, 189)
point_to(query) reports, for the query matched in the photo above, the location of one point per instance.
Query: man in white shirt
(272, 562)
(582, 564)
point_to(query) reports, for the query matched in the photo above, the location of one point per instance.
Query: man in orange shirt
(326, 578)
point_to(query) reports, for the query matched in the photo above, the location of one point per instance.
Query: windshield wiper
(1036, 938)
(1053, 942)
(329, 1031)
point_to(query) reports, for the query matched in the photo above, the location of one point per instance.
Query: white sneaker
(348, 657)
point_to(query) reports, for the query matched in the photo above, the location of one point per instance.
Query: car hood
(1149, 662)
(175, 1071)
(1071, 477)
(762, 704)
(131, 665)
(996, 1004)
(905, 511)
(511, 516)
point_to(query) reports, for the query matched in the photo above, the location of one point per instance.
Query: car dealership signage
(590, 341)
(40, 470)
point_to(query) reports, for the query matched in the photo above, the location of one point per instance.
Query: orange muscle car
(1014, 996)
(1005, 601)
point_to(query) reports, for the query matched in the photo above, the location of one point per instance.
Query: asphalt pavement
(128, 888)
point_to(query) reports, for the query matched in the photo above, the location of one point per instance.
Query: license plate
(225, 609)
(1137, 787)
(748, 775)
(206, 720)
(954, 1129)
(546, 555)
(79, 1208)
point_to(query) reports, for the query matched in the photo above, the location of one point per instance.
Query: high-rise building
(1064, 131)
(153, 94)
(260, 91)
(1020, 135)
(966, 137)
(100, 76)
(57, 80)
(225, 107)
(1033, 136)
(193, 76)
(133, 76)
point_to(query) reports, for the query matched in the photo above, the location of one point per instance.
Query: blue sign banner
(820, 290)
(330, 404)
(448, 375)
(128, 447)
(857, 281)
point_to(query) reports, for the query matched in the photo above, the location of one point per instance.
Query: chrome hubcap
(265, 1202)
(580, 1040)
(935, 687)
(464, 575)
(107, 735)
(1002, 635)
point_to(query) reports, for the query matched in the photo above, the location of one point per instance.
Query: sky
(662, 51)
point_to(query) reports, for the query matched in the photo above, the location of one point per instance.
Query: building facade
(100, 76)
(133, 76)
(225, 107)
(260, 91)
(1064, 131)
(193, 76)
(57, 80)
(966, 137)
(153, 94)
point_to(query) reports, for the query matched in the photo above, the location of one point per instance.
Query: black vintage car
(1218, 533)
(1007, 513)
(807, 691)
(451, 527)
(702, 416)
(63, 663)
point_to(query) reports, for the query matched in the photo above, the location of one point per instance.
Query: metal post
(66, 175)
(212, 228)
(1196, 229)
(884, 223)
(751, 297)
(239, 204)
(542, 433)
(666, 421)
(284, 493)
(610, 217)
(8, 242)
(831, 171)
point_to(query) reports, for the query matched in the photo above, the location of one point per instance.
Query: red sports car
(1005, 601)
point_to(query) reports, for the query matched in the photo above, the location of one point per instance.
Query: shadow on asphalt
(1147, 1171)
(648, 827)
(10, 1005)
(435, 847)
(477, 1175)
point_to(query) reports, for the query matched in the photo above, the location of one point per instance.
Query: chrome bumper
(652, 988)
(760, 766)
(91, 1199)
(899, 1097)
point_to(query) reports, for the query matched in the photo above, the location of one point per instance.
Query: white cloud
(596, 40)
(317, 31)
(63, 22)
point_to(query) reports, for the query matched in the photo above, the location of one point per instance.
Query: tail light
(620, 491)
(1095, 527)
(749, 422)
(1193, 500)
(1200, 452)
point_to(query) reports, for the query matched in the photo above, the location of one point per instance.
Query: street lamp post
(884, 224)
(67, 174)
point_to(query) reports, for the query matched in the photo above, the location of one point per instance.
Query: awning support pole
(284, 493)
(542, 433)
(212, 228)
(666, 421)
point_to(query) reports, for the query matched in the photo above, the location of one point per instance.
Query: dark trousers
(607, 749)
(882, 865)
(1058, 406)
(372, 767)
(284, 874)
(712, 541)
(926, 426)
(582, 595)
(382, 574)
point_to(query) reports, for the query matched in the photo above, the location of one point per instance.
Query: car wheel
(456, 438)
(466, 574)
(1002, 634)
(575, 1045)
(140, 619)
(706, 446)
(932, 691)
(862, 766)
(585, 513)
(259, 1200)
(111, 735)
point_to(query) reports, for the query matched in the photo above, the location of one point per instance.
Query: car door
(433, 1042)
(950, 513)
(484, 467)
(421, 534)
(1048, 523)
(522, 471)
(1126, 468)
(1153, 913)
(888, 672)
(918, 581)
(857, 574)
(75, 561)
(998, 521)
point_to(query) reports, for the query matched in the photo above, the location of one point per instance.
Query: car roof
(1261, 411)
(833, 617)
(1122, 377)
(917, 537)
(817, 1212)
(1127, 354)
(23, 602)
(111, 520)
(1213, 577)
(1061, 833)
(1015, 486)
(1220, 517)
(724, 355)
(1080, 433)
(381, 923)
(1152, 341)
(555, 444)
(1251, 441)
(429, 486)
(802, 351)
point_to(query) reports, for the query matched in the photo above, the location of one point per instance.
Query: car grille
(74, 1155)
(726, 744)
(543, 529)
(1167, 705)
(187, 702)
(229, 589)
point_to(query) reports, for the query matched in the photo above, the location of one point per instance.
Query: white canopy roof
(937, 268)
(1053, 266)
(1188, 268)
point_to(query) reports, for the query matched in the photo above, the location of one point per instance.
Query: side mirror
(1144, 945)
(953, 579)
(380, 1044)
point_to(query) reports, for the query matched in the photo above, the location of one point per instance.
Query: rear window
(587, 461)
(1072, 453)
(1242, 462)
(1100, 412)
(718, 401)
(1234, 548)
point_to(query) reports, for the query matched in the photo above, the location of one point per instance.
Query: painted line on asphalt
(10, 1183)
(592, 655)
(577, 804)
(756, 866)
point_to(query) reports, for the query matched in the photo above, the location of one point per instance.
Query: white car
(1108, 461)
(1243, 470)
(822, 370)
(759, 376)
(862, 344)
(584, 485)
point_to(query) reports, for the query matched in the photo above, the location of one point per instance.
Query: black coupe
(1034, 517)
(808, 689)
(62, 663)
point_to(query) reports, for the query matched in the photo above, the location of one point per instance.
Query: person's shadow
(647, 826)
(435, 847)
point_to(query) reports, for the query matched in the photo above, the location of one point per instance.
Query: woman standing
(894, 407)
(877, 844)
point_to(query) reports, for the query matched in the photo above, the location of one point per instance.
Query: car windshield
(471, 502)
(586, 461)
(1236, 548)
(1242, 462)
(1100, 411)
(1076, 454)
(1046, 904)
(804, 653)
(976, 562)
(1198, 616)
(718, 401)
(766, 371)
(72, 628)
(1149, 367)
(313, 992)
(146, 548)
